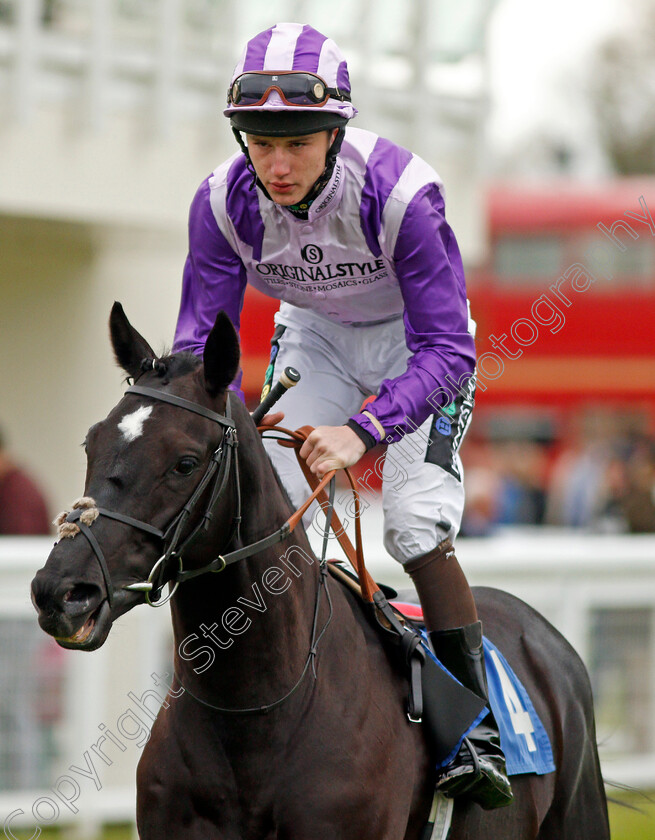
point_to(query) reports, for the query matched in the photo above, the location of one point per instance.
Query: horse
(286, 716)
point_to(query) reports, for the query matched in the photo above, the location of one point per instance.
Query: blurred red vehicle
(602, 348)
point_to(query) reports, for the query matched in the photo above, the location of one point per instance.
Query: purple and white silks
(376, 246)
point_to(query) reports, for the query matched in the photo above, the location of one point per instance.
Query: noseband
(216, 476)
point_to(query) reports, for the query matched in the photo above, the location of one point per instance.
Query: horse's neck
(243, 636)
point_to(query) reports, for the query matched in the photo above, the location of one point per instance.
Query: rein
(313, 647)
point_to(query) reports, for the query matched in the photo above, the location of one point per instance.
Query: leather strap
(355, 554)
(282, 533)
(128, 520)
(74, 516)
(161, 396)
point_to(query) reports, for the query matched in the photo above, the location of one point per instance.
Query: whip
(288, 379)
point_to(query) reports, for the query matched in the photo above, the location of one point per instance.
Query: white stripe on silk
(416, 174)
(328, 63)
(282, 46)
(364, 142)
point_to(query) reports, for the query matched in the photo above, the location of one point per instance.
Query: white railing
(578, 581)
(599, 592)
(105, 57)
(172, 58)
(56, 704)
(135, 89)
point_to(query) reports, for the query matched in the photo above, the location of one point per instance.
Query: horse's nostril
(82, 598)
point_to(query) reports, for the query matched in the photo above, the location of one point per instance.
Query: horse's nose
(56, 595)
(43, 591)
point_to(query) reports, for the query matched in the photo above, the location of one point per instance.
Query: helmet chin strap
(300, 209)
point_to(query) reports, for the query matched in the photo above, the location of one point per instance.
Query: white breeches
(422, 489)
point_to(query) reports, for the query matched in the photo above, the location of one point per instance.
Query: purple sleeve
(431, 277)
(214, 278)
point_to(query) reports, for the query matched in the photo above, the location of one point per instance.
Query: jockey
(348, 231)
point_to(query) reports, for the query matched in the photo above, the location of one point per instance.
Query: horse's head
(152, 465)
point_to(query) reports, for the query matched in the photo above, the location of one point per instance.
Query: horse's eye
(185, 466)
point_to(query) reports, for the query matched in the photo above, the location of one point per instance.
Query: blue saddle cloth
(523, 738)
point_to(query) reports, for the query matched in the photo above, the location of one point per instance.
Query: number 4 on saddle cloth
(523, 738)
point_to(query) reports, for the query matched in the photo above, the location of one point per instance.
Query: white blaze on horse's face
(131, 425)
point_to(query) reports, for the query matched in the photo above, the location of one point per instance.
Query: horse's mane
(169, 365)
(174, 365)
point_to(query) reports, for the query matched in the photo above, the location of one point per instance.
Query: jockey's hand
(272, 419)
(331, 448)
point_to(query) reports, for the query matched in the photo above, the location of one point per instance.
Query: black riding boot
(478, 770)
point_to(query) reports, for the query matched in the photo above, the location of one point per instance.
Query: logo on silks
(443, 426)
(312, 254)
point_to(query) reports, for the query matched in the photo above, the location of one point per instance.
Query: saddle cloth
(523, 738)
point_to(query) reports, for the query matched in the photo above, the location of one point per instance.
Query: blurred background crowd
(598, 475)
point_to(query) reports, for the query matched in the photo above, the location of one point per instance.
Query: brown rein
(355, 554)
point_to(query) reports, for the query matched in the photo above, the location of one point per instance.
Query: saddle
(447, 710)
(524, 740)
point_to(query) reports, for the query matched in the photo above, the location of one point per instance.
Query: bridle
(215, 479)
(222, 467)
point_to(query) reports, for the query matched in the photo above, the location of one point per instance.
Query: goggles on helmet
(295, 88)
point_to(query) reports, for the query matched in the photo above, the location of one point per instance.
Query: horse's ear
(130, 348)
(221, 355)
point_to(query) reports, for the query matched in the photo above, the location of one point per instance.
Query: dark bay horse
(287, 717)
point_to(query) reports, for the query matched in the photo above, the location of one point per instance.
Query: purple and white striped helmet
(299, 54)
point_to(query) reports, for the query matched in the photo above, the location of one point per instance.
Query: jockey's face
(289, 166)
